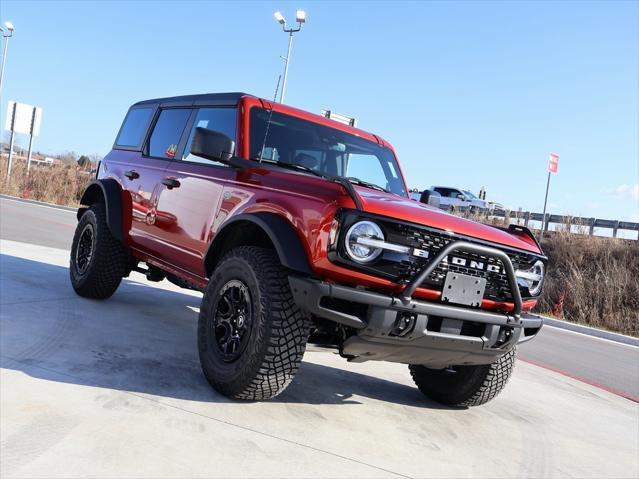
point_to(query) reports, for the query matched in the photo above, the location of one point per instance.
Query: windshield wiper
(357, 181)
(292, 166)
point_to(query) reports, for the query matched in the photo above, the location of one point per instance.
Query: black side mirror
(430, 197)
(212, 145)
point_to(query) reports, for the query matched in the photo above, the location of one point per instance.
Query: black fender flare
(280, 232)
(110, 191)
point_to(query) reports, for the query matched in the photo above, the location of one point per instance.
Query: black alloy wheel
(84, 251)
(232, 320)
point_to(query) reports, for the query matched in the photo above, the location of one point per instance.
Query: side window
(134, 126)
(223, 120)
(167, 132)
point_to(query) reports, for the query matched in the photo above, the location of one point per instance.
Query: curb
(598, 333)
(39, 203)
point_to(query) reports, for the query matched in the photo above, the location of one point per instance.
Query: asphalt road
(114, 389)
(612, 366)
(600, 362)
(36, 224)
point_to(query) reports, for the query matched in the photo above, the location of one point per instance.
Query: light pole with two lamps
(9, 26)
(300, 17)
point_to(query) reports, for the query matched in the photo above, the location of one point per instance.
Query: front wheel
(464, 385)
(251, 335)
(98, 259)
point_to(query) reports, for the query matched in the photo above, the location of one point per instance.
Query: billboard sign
(23, 118)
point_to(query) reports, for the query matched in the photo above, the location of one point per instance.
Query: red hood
(412, 211)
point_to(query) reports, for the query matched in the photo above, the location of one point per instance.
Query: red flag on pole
(553, 163)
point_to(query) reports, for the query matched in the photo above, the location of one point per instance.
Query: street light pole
(300, 18)
(286, 60)
(6, 37)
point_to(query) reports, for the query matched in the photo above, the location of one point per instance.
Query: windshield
(470, 195)
(327, 151)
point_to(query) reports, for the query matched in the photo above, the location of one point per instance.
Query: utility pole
(300, 17)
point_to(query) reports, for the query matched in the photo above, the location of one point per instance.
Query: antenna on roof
(270, 115)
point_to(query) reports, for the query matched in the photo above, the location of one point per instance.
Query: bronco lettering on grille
(479, 265)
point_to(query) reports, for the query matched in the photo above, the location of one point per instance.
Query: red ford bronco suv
(293, 225)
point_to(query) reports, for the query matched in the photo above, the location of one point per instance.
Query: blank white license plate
(463, 289)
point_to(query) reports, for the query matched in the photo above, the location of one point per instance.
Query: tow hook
(404, 324)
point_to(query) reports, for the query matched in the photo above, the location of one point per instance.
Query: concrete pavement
(162, 377)
(113, 388)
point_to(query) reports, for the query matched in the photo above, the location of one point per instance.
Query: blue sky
(470, 93)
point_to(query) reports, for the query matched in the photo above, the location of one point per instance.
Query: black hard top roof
(202, 99)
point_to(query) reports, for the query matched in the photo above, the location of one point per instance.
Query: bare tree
(69, 157)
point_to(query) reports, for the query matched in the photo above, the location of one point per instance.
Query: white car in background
(457, 198)
(442, 196)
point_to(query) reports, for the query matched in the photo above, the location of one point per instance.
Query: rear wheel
(464, 385)
(98, 259)
(251, 335)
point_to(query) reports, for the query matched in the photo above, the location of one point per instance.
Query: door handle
(131, 174)
(171, 183)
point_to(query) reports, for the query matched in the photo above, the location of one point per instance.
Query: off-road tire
(278, 331)
(467, 385)
(107, 264)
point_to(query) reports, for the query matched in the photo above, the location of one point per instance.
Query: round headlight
(359, 251)
(533, 277)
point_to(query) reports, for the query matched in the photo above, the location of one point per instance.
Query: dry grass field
(62, 185)
(591, 280)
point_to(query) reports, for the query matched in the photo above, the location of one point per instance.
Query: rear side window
(223, 120)
(167, 132)
(134, 127)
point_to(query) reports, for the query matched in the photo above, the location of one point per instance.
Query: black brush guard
(374, 339)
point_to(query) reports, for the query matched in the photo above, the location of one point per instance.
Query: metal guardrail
(527, 216)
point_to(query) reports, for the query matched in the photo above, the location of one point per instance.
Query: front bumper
(439, 334)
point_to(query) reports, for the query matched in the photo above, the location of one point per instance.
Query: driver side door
(186, 211)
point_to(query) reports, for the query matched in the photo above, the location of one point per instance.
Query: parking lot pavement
(114, 388)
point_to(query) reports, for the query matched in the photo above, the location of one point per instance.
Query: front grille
(401, 267)
(497, 286)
